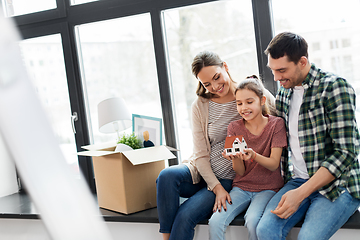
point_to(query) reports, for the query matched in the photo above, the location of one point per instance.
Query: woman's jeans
(322, 217)
(180, 220)
(255, 202)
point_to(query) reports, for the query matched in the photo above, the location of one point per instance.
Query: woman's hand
(221, 197)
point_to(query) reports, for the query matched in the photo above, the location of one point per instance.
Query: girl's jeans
(254, 202)
(322, 217)
(180, 220)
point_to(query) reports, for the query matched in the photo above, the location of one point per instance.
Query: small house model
(235, 144)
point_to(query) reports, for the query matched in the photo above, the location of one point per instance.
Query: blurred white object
(120, 147)
(66, 206)
(113, 116)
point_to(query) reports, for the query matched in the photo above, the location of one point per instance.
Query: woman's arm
(201, 149)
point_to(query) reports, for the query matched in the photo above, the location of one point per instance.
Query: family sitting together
(300, 163)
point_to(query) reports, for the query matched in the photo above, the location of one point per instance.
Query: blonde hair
(253, 83)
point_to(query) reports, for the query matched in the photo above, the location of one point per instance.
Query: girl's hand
(249, 154)
(221, 197)
(237, 156)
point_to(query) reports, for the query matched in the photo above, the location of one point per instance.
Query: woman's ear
(225, 66)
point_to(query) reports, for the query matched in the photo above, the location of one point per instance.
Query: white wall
(8, 184)
(20, 229)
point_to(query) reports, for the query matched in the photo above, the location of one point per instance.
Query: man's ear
(303, 61)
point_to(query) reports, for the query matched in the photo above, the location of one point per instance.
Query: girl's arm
(271, 163)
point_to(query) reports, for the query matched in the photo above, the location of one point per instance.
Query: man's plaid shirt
(328, 132)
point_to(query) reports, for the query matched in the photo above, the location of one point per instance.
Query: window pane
(118, 60)
(20, 7)
(43, 57)
(224, 27)
(332, 33)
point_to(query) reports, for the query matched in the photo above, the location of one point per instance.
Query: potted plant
(130, 140)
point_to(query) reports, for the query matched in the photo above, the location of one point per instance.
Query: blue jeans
(322, 218)
(254, 201)
(180, 220)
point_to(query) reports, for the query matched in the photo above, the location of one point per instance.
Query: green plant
(131, 140)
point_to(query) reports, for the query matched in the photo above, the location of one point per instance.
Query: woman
(207, 176)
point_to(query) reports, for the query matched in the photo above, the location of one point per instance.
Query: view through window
(20, 7)
(332, 33)
(118, 60)
(224, 27)
(43, 58)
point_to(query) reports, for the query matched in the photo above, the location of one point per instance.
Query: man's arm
(291, 200)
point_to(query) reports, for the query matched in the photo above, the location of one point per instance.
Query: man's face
(287, 73)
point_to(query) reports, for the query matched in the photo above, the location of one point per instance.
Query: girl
(207, 175)
(257, 170)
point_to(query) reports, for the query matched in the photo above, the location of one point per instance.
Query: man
(321, 170)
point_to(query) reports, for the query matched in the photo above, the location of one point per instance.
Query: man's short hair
(289, 44)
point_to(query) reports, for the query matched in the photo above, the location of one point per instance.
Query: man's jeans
(322, 217)
(180, 220)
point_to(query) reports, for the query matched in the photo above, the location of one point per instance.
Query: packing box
(126, 181)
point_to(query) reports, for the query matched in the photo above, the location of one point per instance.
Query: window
(331, 20)
(43, 57)
(316, 46)
(346, 43)
(20, 7)
(224, 27)
(118, 60)
(333, 44)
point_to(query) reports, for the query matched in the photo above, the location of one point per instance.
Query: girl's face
(249, 105)
(216, 80)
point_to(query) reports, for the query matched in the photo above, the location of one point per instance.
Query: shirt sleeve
(201, 150)
(342, 127)
(279, 139)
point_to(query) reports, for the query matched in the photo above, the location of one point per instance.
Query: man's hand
(221, 197)
(288, 204)
(291, 200)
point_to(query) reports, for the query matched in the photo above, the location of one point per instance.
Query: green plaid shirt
(328, 132)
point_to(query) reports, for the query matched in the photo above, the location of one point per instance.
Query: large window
(332, 33)
(118, 60)
(142, 51)
(224, 27)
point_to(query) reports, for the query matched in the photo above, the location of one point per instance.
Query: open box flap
(149, 154)
(95, 153)
(100, 146)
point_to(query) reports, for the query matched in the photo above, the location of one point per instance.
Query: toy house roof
(230, 140)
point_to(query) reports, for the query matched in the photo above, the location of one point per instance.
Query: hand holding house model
(235, 144)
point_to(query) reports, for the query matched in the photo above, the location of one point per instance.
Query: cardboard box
(126, 181)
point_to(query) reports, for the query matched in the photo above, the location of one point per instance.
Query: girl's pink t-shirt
(256, 177)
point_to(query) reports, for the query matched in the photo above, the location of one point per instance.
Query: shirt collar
(311, 76)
